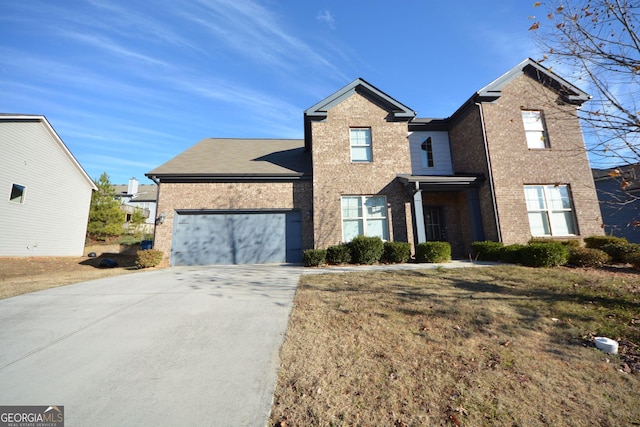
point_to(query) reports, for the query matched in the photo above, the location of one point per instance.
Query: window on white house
(550, 210)
(364, 215)
(534, 129)
(17, 193)
(360, 145)
(427, 153)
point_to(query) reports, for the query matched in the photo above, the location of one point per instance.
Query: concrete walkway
(186, 346)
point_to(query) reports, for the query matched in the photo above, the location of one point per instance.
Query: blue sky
(130, 84)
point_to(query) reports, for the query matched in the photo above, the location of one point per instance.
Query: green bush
(433, 252)
(570, 243)
(587, 257)
(548, 254)
(314, 257)
(632, 250)
(396, 252)
(597, 242)
(634, 260)
(487, 250)
(148, 258)
(339, 254)
(616, 250)
(366, 250)
(512, 254)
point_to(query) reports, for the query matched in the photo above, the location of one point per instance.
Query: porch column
(473, 200)
(419, 215)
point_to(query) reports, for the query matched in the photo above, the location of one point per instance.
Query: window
(17, 193)
(427, 153)
(360, 144)
(364, 215)
(534, 129)
(550, 210)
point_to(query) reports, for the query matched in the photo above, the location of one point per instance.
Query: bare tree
(596, 42)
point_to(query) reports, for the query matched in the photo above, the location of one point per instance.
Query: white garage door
(236, 237)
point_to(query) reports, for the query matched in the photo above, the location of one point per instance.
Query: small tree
(136, 221)
(106, 219)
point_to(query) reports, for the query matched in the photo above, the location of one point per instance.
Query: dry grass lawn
(21, 275)
(499, 346)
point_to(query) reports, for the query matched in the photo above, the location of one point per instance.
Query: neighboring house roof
(568, 92)
(7, 117)
(398, 110)
(628, 175)
(233, 159)
(145, 193)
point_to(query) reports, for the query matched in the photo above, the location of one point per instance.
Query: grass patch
(504, 345)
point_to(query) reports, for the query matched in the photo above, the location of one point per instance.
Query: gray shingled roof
(238, 158)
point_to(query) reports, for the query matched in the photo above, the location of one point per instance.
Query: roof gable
(397, 110)
(42, 120)
(568, 92)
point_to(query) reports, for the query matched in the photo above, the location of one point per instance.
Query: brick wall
(209, 196)
(335, 175)
(514, 164)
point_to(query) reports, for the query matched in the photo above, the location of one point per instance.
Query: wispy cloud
(254, 31)
(326, 17)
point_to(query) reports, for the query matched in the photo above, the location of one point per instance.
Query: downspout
(490, 170)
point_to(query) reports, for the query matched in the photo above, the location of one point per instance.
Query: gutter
(490, 174)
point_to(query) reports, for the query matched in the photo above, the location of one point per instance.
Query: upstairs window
(17, 193)
(550, 210)
(364, 216)
(534, 129)
(360, 145)
(427, 153)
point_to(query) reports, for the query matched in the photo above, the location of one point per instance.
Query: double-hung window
(550, 210)
(534, 129)
(17, 193)
(427, 153)
(360, 144)
(364, 215)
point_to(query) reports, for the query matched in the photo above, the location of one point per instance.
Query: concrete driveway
(186, 346)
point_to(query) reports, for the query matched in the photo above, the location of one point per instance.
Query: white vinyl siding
(550, 210)
(534, 129)
(52, 219)
(440, 151)
(364, 215)
(360, 139)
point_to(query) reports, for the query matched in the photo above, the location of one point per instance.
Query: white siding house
(44, 192)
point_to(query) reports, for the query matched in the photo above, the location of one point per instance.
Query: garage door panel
(236, 238)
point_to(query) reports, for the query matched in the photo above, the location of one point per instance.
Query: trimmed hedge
(433, 252)
(314, 257)
(366, 250)
(634, 260)
(396, 252)
(148, 258)
(487, 250)
(550, 254)
(597, 242)
(512, 254)
(339, 254)
(588, 257)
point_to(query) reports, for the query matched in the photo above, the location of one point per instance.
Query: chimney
(133, 186)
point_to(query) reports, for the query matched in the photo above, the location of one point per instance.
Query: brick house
(509, 164)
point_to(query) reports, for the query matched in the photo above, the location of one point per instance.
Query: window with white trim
(534, 129)
(360, 139)
(364, 215)
(17, 193)
(550, 210)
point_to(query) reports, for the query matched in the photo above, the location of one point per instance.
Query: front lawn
(503, 345)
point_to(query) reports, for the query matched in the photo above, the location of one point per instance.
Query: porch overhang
(441, 182)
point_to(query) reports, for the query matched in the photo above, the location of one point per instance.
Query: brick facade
(513, 164)
(334, 175)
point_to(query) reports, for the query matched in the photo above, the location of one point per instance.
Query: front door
(434, 224)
